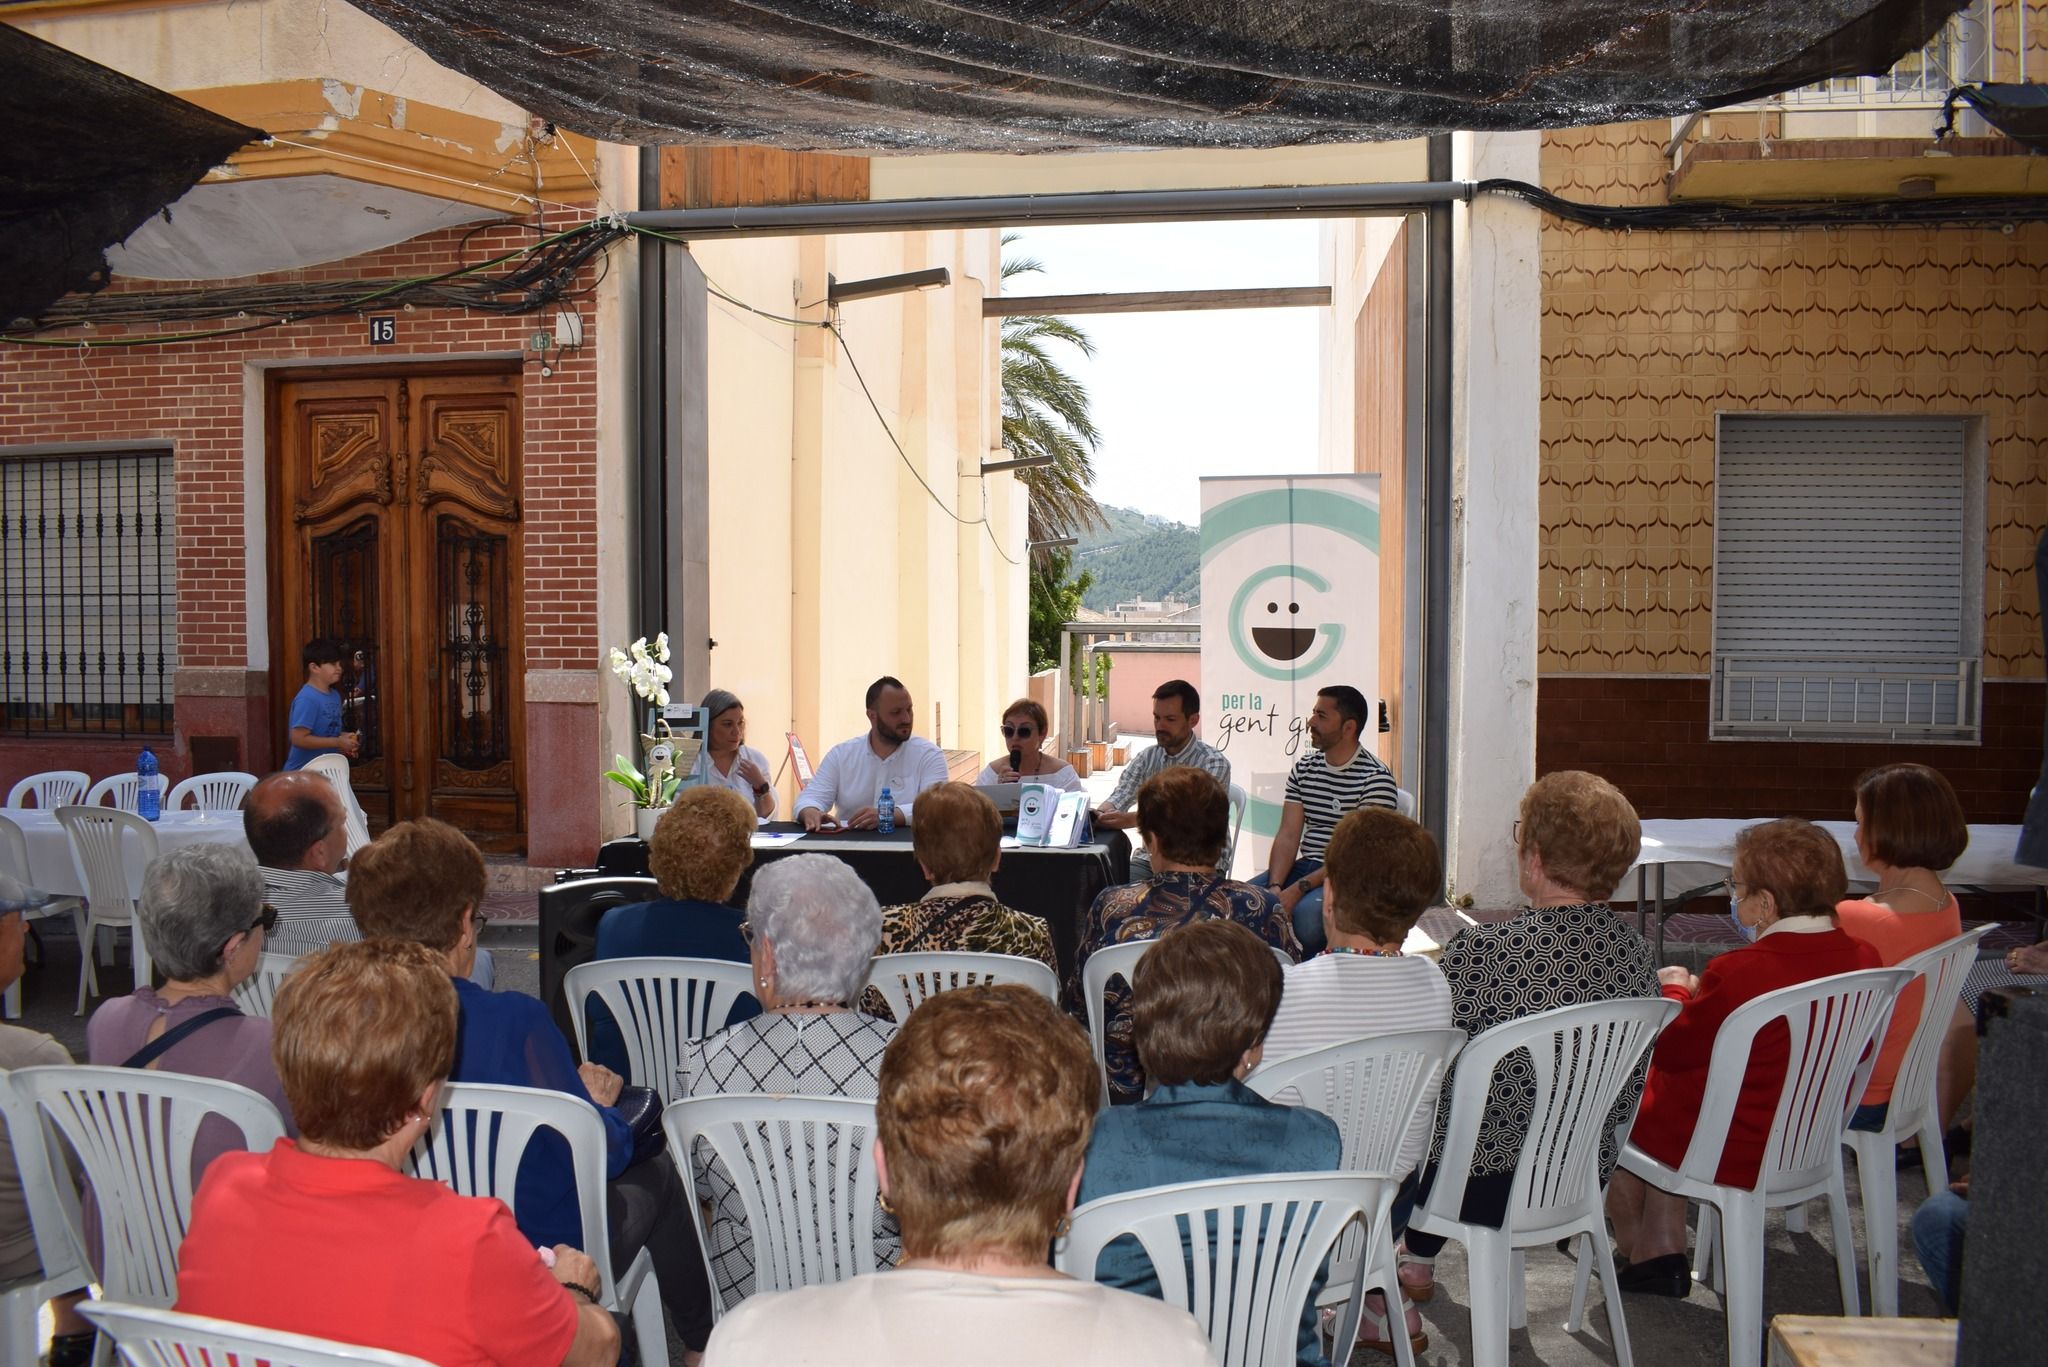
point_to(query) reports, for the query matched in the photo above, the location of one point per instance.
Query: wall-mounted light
(1051, 542)
(840, 291)
(996, 467)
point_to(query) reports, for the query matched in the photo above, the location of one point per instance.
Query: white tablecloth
(1693, 853)
(52, 869)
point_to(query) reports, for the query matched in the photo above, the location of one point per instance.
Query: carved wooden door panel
(396, 531)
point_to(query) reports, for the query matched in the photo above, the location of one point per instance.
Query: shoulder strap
(158, 1047)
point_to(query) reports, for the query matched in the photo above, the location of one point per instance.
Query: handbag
(640, 1108)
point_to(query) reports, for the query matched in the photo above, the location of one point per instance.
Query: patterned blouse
(838, 1054)
(959, 917)
(1543, 959)
(1145, 911)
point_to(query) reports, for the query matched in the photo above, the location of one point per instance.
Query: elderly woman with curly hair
(813, 926)
(701, 846)
(1577, 836)
(987, 1100)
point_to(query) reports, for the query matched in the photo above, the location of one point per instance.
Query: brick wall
(1648, 736)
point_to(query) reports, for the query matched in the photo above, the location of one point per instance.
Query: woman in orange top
(1908, 827)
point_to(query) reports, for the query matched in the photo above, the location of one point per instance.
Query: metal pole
(1436, 672)
(1113, 206)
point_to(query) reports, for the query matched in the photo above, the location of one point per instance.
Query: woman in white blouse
(1024, 731)
(728, 759)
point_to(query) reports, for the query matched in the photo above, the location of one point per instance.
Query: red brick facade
(195, 396)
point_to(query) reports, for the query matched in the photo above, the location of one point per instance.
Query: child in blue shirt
(316, 711)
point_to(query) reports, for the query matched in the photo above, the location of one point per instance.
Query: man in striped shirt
(1337, 776)
(1176, 708)
(295, 824)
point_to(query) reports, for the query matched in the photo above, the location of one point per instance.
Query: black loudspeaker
(2005, 1251)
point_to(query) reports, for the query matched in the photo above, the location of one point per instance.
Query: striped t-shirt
(1328, 793)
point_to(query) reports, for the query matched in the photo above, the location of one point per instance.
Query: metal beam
(1157, 301)
(999, 211)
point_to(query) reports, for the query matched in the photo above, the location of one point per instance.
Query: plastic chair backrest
(257, 993)
(1248, 1292)
(1581, 1057)
(905, 980)
(53, 788)
(660, 1005)
(1110, 961)
(1405, 803)
(1832, 1023)
(334, 768)
(14, 852)
(805, 1176)
(97, 835)
(1942, 970)
(1372, 1087)
(1239, 800)
(53, 1211)
(221, 792)
(480, 1132)
(133, 1130)
(121, 788)
(150, 1337)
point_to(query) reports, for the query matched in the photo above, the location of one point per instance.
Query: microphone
(1016, 761)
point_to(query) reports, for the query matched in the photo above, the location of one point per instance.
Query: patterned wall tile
(1647, 336)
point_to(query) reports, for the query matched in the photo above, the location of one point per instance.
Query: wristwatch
(759, 789)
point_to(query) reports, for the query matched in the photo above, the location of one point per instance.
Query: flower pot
(644, 819)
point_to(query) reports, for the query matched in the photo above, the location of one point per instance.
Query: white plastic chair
(1581, 1057)
(133, 1130)
(905, 980)
(115, 790)
(1248, 1295)
(1239, 800)
(63, 1266)
(149, 1337)
(51, 789)
(97, 835)
(1832, 1023)
(14, 863)
(805, 1174)
(334, 768)
(1405, 803)
(1913, 1110)
(1119, 961)
(1373, 1088)
(221, 792)
(256, 993)
(479, 1134)
(660, 1005)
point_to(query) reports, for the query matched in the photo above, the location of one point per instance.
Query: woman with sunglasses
(1024, 731)
(203, 917)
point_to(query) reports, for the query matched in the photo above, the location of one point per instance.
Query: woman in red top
(1788, 876)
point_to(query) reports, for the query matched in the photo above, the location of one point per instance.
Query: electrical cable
(2002, 211)
(713, 287)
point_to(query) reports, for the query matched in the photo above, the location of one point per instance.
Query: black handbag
(640, 1107)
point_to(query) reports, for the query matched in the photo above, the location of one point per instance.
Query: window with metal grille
(88, 596)
(1848, 578)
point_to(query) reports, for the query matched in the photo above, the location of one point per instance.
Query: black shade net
(90, 155)
(886, 76)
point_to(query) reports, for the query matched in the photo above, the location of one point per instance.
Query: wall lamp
(840, 291)
(996, 467)
(1052, 542)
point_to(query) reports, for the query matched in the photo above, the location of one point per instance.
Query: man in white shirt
(1176, 709)
(855, 771)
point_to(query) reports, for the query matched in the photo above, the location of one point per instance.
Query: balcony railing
(1929, 701)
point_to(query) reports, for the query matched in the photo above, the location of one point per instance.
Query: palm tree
(1045, 413)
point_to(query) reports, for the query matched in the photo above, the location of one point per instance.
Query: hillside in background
(1140, 556)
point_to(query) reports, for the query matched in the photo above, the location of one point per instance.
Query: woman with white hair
(812, 926)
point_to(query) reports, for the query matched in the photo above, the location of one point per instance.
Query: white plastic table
(1697, 853)
(51, 868)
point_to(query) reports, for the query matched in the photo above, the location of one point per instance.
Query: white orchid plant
(644, 669)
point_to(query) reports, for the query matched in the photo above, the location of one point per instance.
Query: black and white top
(1543, 959)
(312, 911)
(1330, 792)
(838, 1054)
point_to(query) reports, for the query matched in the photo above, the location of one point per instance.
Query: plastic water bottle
(885, 813)
(149, 797)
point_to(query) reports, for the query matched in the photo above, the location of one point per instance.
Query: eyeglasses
(747, 931)
(1012, 732)
(266, 921)
(1516, 832)
(1730, 888)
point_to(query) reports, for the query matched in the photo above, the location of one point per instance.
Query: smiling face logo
(1275, 623)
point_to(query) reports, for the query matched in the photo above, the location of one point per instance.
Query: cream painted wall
(1076, 172)
(252, 42)
(830, 563)
(1353, 252)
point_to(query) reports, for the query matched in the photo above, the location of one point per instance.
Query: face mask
(1748, 933)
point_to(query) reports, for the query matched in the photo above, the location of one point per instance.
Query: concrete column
(1497, 344)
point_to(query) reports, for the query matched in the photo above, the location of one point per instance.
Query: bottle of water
(149, 796)
(885, 813)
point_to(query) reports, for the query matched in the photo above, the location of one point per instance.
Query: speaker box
(2005, 1251)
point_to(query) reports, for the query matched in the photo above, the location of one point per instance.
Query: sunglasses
(266, 921)
(1012, 732)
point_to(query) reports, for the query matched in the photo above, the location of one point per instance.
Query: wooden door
(396, 529)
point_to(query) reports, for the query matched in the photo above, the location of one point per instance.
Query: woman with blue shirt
(1202, 1000)
(422, 881)
(700, 848)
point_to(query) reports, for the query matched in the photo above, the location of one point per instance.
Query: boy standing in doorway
(316, 711)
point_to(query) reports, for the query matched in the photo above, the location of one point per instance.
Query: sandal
(1375, 1333)
(1417, 1292)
